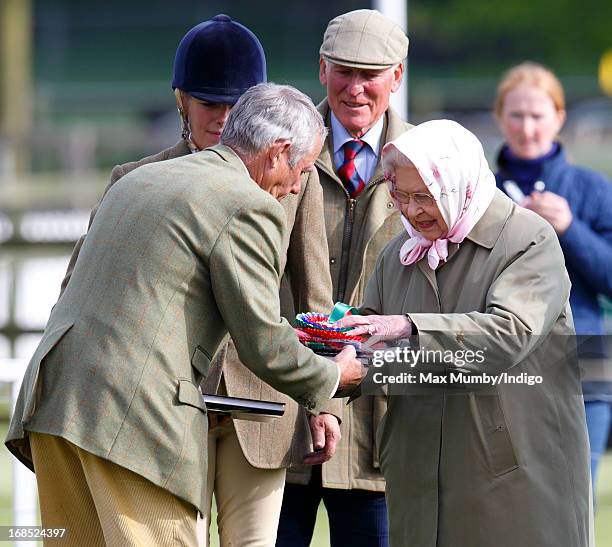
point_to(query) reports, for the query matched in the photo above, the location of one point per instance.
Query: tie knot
(352, 148)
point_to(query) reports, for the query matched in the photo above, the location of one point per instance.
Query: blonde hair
(533, 74)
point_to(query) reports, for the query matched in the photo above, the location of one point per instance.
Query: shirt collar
(372, 137)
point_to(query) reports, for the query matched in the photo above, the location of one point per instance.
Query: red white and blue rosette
(315, 328)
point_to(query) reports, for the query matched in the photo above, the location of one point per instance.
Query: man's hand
(351, 370)
(551, 207)
(325, 431)
(386, 327)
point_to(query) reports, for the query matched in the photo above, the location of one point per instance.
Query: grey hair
(269, 112)
(393, 158)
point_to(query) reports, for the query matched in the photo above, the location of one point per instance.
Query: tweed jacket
(306, 286)
(476, 465)
(175, 151)
(165, 272)
(357, 231)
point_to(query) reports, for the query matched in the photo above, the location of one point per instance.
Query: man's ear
(276, 151)
(398, 74)
(322, 71)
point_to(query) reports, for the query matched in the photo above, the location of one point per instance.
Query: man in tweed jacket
(247, 460)
(109, 415)
(361, 64)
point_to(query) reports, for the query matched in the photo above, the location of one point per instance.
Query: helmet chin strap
(185, 127)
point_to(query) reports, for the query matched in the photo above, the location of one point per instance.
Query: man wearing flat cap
(361, 64)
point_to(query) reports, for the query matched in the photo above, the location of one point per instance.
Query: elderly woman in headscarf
(479, 285)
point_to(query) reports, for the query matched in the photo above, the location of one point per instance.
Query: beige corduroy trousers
(101, 503)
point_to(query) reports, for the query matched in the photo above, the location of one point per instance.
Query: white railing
(25, 499)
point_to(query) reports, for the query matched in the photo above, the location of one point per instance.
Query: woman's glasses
(421, 199)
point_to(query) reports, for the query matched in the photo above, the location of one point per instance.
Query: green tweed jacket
(179, 149)
(165, 272)
(357, 231)
(306, 286)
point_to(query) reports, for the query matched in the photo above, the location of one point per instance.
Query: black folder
(244, 409)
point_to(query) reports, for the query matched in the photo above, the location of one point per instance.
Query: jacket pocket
(190, 394)
(492, 431)
(200, 360)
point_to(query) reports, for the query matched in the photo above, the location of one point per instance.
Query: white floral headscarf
(451, 162)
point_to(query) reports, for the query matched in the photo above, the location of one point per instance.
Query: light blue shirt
(367, 159)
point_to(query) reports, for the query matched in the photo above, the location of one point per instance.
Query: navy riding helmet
(218, 60)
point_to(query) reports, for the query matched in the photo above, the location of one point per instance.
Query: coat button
(332, 260)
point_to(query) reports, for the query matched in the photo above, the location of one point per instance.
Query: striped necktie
(347, 172)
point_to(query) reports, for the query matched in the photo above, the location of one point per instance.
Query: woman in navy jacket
(534, 171)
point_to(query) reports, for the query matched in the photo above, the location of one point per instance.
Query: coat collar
(228, 155)
(490, 226)
(485, 233)
(179, 149)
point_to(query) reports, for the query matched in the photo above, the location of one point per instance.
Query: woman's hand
(387, 327)
(551, 207)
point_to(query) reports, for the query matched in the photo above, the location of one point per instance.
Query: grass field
(603, 520)
(6, 515)
(603, 517)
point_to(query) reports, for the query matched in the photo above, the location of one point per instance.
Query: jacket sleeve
(308, 255)
(244, 267)
(588, 246)
(308, 261)
(522, 305)
(116, 174)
